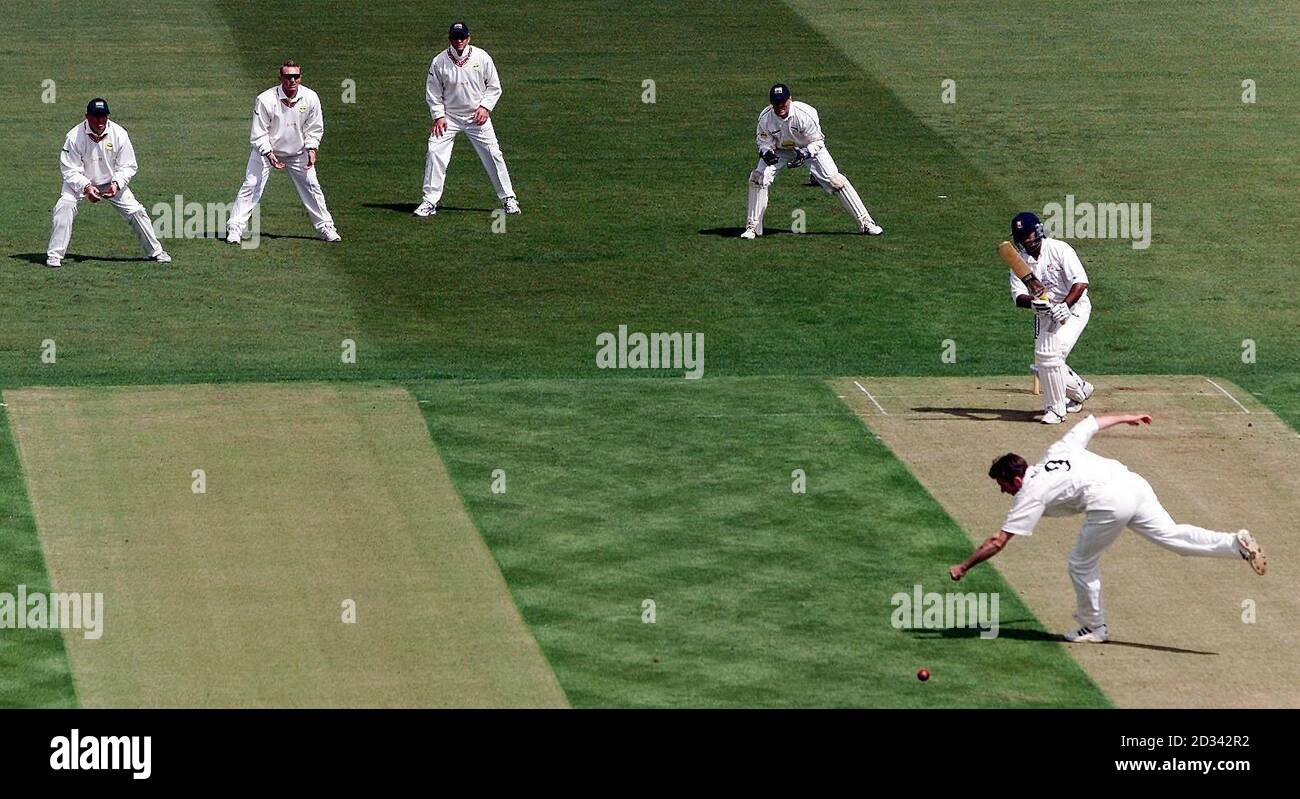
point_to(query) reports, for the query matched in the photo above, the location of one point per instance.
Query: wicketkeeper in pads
(789, 135)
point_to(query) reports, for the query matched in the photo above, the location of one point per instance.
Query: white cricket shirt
(1064, 481)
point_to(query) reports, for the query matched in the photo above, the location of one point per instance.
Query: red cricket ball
(923, 675)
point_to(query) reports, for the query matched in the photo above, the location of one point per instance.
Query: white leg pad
(1051, 369)
(757, 202)
(849, 199)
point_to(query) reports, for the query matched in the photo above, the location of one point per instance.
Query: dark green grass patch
(33, 663)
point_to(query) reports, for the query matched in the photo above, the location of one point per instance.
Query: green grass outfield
(622, 204)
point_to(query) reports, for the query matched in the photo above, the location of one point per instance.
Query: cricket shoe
(54, 262)
(232, 236)
(162, 257)
(426, 208)
(869, 227)
(330, 234)
(812, 180)
(1088, 635)
(751, 232)
(1251, 552)
(511, 205)
(1052, 417)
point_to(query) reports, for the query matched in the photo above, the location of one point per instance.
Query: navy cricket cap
(779, 94)
(97, 107)
(459, 30)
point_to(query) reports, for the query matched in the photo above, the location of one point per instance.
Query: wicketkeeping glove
(769, 157)
(801, 154)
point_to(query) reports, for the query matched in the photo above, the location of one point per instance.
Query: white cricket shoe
(1251, 551)
(869, 227)
(426, 208)
(511, 205)
(1052, 417)
(330, 234)
(162, 257)
(1073, 406)
(232, 236)
(54, 261)
(750, 233)
(1088, 635)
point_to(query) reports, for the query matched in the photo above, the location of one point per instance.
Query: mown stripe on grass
(34, 669)
(679, 492)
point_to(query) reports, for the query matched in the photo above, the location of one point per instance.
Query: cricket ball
(923, 675)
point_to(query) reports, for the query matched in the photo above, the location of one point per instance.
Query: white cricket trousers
(304, 180)
(484, 139)
(65, 211)
(1129, 501)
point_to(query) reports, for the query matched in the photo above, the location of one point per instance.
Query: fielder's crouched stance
(97, 162)
(789, 135)
(1059, 318)
(1071, 480)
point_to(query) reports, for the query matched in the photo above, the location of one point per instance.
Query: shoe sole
(1254, 553)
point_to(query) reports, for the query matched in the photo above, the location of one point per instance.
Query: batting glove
(1041, 306)
(1060, 312)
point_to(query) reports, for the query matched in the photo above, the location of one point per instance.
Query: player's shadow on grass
(734, 232)
(409, 208)
(38, 258)
(986, 414)
(1017, 634)
(220, 236)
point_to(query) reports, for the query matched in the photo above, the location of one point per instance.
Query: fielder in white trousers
(1069, 480)
(484, 139)
(65, 212)
(1129, 501)
(304, 180)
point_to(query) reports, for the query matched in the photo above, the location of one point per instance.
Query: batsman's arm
(991, 546)
(1076, 291)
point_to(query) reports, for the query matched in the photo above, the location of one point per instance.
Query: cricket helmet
(1025, 223)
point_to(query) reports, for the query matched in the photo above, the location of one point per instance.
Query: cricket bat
(1021, 270)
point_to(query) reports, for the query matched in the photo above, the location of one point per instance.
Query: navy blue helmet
(1025, 223)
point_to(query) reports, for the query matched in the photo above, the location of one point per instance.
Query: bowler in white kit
(789, 135)
(288, 125)
(1059, 319)
(1070, 480)
(462, 91)
(97, 162)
